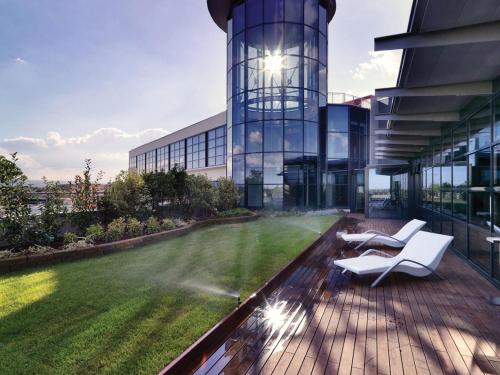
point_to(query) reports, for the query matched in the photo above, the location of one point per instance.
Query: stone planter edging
(34, 260)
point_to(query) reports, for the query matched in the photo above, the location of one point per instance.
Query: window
(132, 165)
(162, 159)
(238, 18)
(254, 12)
(294, 11)
(217, 146)
(239, 169)
(141, 163)
(479, 169)
(294, 136)
(311, 15)
(254, 169)
(151, 161)
(338, 119)
(273, 196)
(238, 139)
(273, 136)
(177, 151)
(497, 118)
(255, 42)
(323, 21)
(196, 149)
(273, 10)
(254, 139)
(338, 145)
(311, 137)
(460, 140)
(311, 43)
(480, 129)
(273, 168)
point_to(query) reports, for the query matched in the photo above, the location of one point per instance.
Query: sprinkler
(239, 300)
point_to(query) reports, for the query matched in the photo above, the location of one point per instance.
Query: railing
(343, 98)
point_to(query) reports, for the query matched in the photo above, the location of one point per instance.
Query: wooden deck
(322, 322)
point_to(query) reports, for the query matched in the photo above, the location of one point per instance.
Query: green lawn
(132, 312)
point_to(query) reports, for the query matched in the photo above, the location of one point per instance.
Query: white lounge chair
(420, 257)
(398, 240)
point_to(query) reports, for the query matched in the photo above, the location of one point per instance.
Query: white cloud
(20, 60)
(380, 64)
(59, 157)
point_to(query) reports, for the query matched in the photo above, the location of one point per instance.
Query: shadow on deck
(320, 321)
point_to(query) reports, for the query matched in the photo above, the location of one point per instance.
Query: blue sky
(94, 78)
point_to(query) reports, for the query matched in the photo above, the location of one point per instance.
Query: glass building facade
(458, 184)
(276, 89)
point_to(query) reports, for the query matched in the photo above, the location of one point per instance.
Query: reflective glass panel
(255, 12)
(238, 139)
(254, 168)
(480, 129)
(294, 11)
(273, 136)
(294, 39)
(273, 10)
(273, 168)
(254, 137)
(311, 43)
(311, 137)
(294, 136)
(338, 145)
(479, 169)
(338, 119)
(311, 9)
(480, 208)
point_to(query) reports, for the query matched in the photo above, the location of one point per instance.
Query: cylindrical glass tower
(276, 85)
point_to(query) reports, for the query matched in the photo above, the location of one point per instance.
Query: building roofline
(221, 9)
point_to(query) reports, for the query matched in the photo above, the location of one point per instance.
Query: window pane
(255, 74)
(293, 104)
(479, 169)
(293, 72)
(496, 166)
(294, 136)
(254, 168)
(311, 105)
(310, 43)
(273, 168)
(323, 80)
(238, 139)
(338, 119)
(311, 138)
(294, 11)
(238, 79)
(238, 109)
(323, 20)
(273, 136)
(311, 8)
(311, 79)
(254, 196)
(254, 105)
(480, 129)
(273, 109)
(338, 145)
(460, 174)
(273, 196)
(254, 137)
(254, 12)
(273, 10)
(273, 39)
(322, 50)
(479, 248)
(239, 169)
(294, 39)
(239, 18)
(239, 48)
(497, 118)
(255, 42)
(480, 208)
(446, 176)
(460, 140)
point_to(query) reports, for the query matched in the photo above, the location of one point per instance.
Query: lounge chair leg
(382, 276)
(344, 271)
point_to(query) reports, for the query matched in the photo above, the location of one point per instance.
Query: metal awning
(451, 54)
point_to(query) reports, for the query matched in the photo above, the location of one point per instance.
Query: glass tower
(276, 89)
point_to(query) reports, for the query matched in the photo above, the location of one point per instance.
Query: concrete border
(37, 260)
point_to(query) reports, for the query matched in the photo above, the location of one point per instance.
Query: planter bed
(35, 260)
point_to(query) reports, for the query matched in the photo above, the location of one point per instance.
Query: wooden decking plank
(395, 361)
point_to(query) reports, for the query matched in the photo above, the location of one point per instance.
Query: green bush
(134, 227)
(227, 195)
(152, 225)
(94, 232)
(235, 212)
(116, 229)
(70, 237)
(201, 194)
(167, 224)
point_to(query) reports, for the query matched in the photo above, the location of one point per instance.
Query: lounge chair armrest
(378, 252)
(387, 271)
(376, 232)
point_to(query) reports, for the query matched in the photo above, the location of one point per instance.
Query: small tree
(51, 216)
(201, 195)
(129, 195)
(84, 195)
(14, 200)
(160, 186)
(177, 187)
(227, 195)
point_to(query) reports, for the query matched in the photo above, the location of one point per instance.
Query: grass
(135, 311)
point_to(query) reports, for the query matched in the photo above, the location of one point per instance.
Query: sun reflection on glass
(274, 316)
(273, 63)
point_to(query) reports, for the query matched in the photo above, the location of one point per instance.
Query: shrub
(152, 225)
(167, 224)
(116, 229)
(52, 211)
(235, 212)
(134, 227)
(82, 244)
(70, 237)
(227, 195)
(201, 195)
(127, 195)
(94, 232)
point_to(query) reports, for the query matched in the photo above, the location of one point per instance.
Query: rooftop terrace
(320, 321)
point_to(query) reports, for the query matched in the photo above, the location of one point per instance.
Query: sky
(93, 79)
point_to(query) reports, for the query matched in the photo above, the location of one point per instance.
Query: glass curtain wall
(277, 58)
(460, 186)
